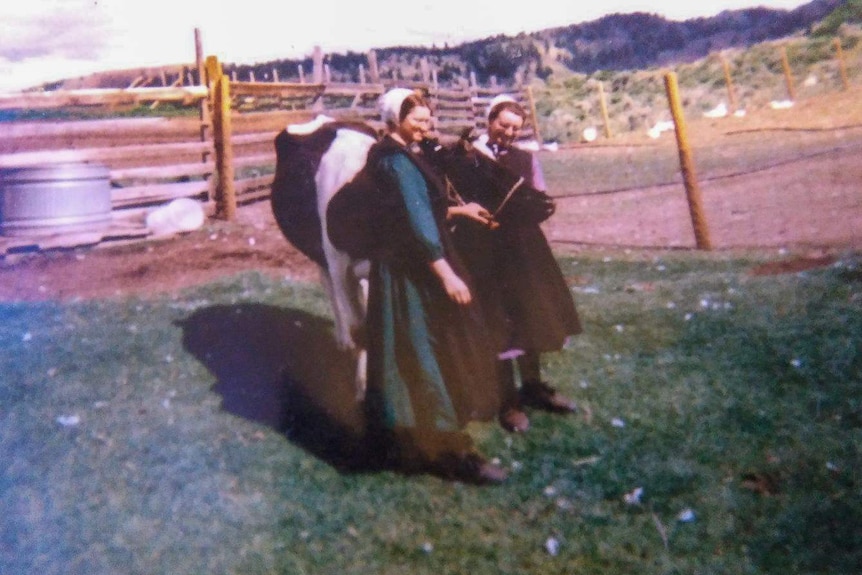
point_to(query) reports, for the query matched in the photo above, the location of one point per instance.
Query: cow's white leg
(361, 378)
(360, 354)
(345, 157)
(341, 288)
(348, 295)
(328, 286)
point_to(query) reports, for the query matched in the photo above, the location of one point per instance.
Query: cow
(315, 161)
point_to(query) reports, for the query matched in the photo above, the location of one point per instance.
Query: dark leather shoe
(540, 395)
(476, 469)
(514, 420)
(471, 468)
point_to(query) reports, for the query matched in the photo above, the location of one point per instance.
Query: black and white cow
(314, 161)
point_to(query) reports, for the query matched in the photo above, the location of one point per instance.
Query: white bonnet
(499, 99)
(390, 104)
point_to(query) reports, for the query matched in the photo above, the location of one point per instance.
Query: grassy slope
(568, 102)
(736, 395)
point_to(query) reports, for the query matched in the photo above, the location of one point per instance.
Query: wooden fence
(222, 156)
(259, 108)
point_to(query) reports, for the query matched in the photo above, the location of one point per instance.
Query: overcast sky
(45, 40)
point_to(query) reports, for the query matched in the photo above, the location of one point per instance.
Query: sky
(48, 40)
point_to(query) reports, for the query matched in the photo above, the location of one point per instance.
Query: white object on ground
(180, 215)
(68, 420)
(719, 111)
(634, 496)
(664, 126)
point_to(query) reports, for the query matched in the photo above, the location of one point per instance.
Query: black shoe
(514, 420)
(471, 468)
(540, 395)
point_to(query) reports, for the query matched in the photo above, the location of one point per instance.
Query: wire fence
(763, 189)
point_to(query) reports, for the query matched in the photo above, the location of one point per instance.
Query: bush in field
(848, 12)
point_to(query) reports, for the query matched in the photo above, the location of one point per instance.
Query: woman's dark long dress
(431, 367)
(514, 268)
(537, 297)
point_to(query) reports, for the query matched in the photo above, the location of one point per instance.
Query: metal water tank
(53, 199)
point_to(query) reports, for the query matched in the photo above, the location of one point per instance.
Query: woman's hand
(454, 286)
(474, 212)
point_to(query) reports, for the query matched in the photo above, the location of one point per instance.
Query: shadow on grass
(281, 367)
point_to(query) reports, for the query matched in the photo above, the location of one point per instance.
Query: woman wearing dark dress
(513, 267)
(431, 368)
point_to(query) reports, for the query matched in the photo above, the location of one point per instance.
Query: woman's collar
(397, 139)
(481, 144)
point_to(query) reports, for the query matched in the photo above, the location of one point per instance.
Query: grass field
(208, 433)
(720, 426)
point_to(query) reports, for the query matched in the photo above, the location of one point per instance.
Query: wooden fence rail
(186, 95)
(154, 160)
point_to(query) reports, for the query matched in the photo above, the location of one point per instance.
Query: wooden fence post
(204, 106)
(212, 71)
(225, 192)
(603, 105)
(788, 74)
(373, 70)
(317, 66)
(317, 72)
(692, 192)
(425, 69)
(842, 69)
(532, 103)
(728, 80)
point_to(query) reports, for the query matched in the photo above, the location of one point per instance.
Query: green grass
(183, 459)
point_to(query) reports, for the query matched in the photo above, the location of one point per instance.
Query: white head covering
(499, 99)
(390, 104)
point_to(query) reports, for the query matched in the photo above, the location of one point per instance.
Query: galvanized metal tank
(53, 199)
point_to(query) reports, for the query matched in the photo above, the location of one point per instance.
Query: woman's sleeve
(414, 190)
(538, 175)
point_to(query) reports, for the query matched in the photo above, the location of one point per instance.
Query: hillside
(615, 42)
(612, 43)
(626, 55)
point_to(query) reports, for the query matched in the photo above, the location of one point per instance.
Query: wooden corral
(222, 156)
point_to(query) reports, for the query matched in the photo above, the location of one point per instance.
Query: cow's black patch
(294, 193)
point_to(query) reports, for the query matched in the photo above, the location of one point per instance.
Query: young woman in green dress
(431, 367)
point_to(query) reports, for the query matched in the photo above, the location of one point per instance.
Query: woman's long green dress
(431, 365)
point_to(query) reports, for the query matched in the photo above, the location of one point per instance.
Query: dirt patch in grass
(792, 266)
